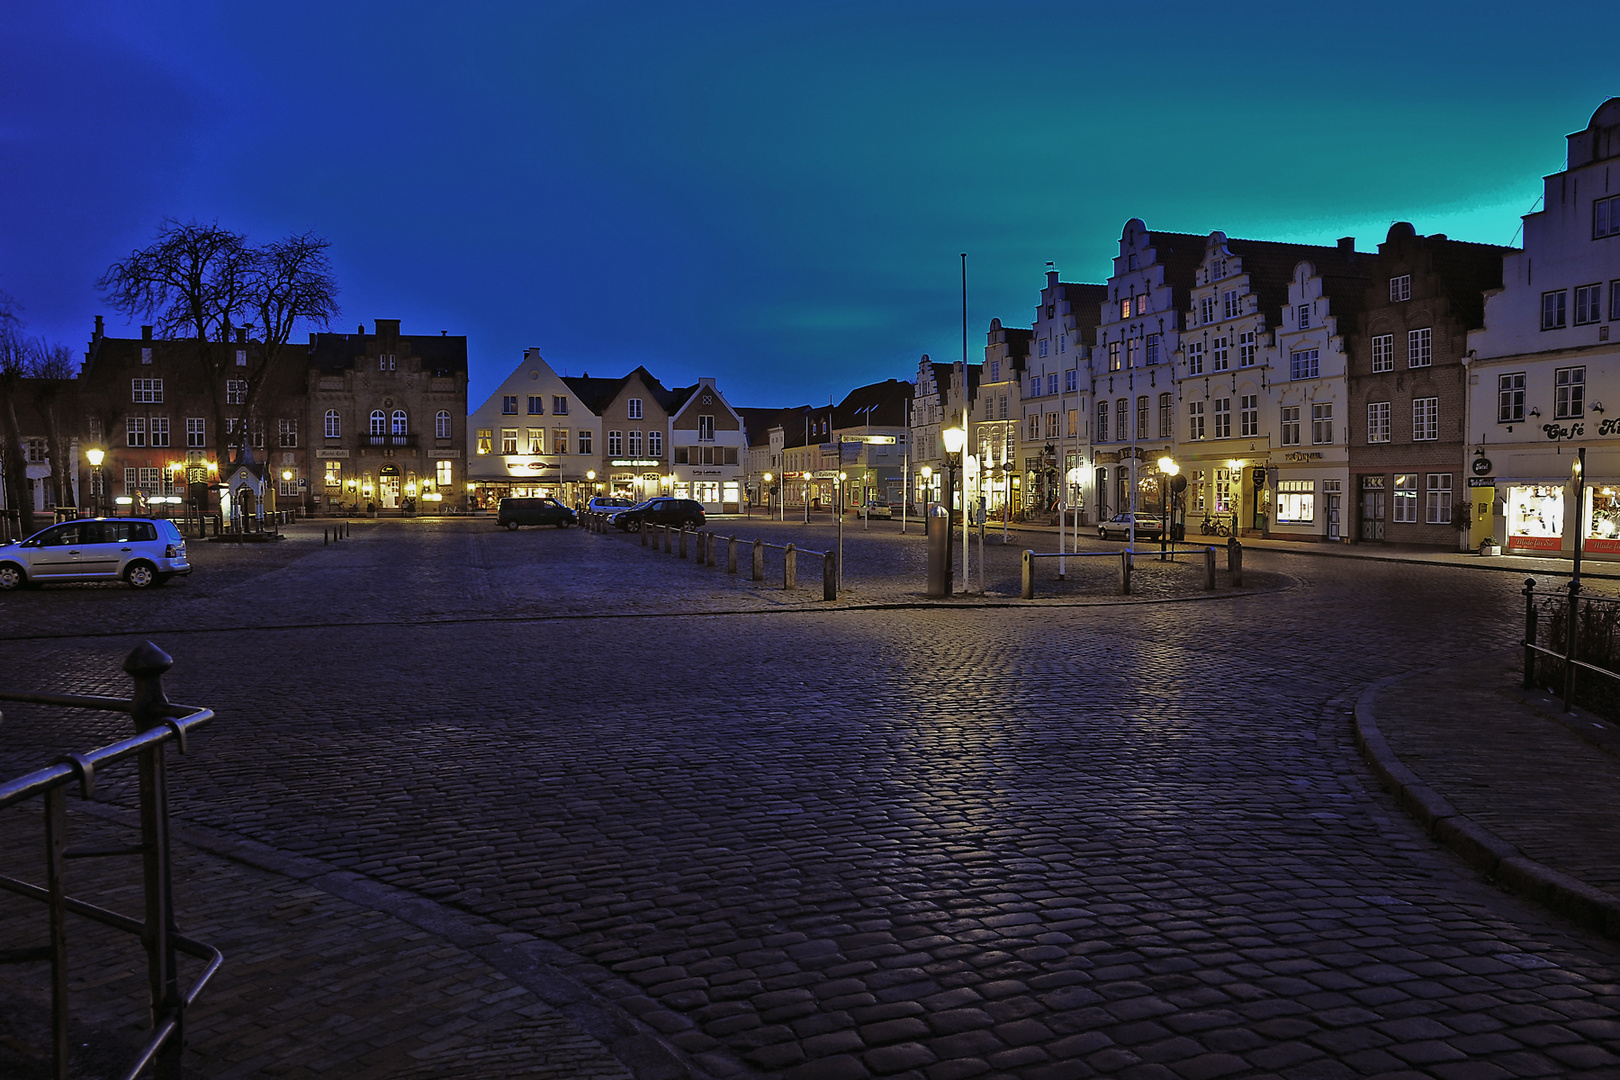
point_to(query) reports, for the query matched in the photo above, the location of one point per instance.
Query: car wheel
(512, 525)
(11, 576)
(1102, 534)
(563, 524)
(141, 575)
(634, 526)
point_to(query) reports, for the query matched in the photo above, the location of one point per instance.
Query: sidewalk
(1527, 794)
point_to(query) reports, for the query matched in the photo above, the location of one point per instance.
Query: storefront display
(1535, 517)
(1602, 520)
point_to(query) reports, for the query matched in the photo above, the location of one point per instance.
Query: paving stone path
(1069, 839)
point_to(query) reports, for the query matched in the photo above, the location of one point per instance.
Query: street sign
(880, 440)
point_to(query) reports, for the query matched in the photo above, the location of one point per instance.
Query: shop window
(484, 438)
(1405, 498)
(1438, 508)
(1296, 502)
(1604, 521)
(444, 473)
(1223, 491)
(1535, 512)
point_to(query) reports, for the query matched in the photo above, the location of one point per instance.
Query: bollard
(645, 532)
(731, 554)
(1529, 633)
(325, 539)
(1125, 573)
(1209, 568)
(708, 549)
(683, 541)
(829, 576)
(1029, 575)
(665, 530)
(1234, 562)
(789, 570)
(348, 529)
(759, 560)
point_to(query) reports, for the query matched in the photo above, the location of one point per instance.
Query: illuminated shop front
(1535, 516)
(1602, 520)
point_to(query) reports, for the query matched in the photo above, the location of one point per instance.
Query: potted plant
(1489, 546)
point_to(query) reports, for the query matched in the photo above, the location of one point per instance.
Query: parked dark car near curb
(141, 551)
(673, 512)
(523, 511)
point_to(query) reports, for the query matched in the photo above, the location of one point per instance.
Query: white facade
(1055, 426)
(533, 436)
(708, 450)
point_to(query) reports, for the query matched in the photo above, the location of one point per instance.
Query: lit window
(444, 473)
(537, 440)
(1406, 497)
(509, 440)
(485, 437)
(1296, 502)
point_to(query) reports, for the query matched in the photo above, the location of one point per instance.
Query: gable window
(1606, 217)
(537, 405)
(1154, 351)
(1400, 288)
(146, 391)
(334, 424)
(1223, 418)
(1043, 349)
(995, 371)
(1419, 347)
(633, 408)
(1249, 416)
(1303, 364)
(1322, 422)
(509, 405)
(1425, 419)
(1378, 421)
(1246, 349)
(1290, 425)
(1552, 309)
(1304, 316)
(1063, 342)
(385, 362)
(1113, 356)
(1195, 420)
(1510, 398)
(485, 436)
(441, 424)
(1569, 392)
(705, 429)
(1141, 305)
(1195, 357)
(1588, 304)
(1218, 355)
(559, 405)
(146, 355)
(1383, 352)
(1206, 309)
(1125, 308)
(1230, 304)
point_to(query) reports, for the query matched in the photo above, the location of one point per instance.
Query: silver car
(141, 551)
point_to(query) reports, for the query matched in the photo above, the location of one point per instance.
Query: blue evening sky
(772, 194)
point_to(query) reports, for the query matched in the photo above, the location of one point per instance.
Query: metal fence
(1127, 556)
(1579, 630)
(158, 722)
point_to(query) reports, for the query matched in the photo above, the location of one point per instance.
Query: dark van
(514, 512)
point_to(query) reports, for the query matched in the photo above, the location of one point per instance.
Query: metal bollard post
(325, 537)
(1571, 639)
(1029, 575)
(829, 576)
(1529, 633)
(759, 560)
(645, 532)
(1125, 573)
(1209, 568)
(789, 569)
(1234, 561)
(731, 554)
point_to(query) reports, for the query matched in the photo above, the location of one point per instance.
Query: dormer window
(634, 408)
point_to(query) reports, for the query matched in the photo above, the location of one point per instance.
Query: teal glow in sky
(774, 195)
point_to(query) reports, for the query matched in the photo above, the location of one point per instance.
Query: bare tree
(53, 368)
(200, 282)
(13, 366)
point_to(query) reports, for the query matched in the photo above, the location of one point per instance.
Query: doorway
(388, 487)
(1330, 488)
(1372, 507)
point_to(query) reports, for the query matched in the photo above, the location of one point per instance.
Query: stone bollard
(1234, 561)
(759, 560)
(1125, 573)
(683, 541)
(708, 549)
(665, 530)
(1029, 575)
(645, 532)
(829, 576)
(1529, 633)
(698, 540)
(325, 539)
(731, 554)
(789, 569)
(149, 706)
(1209, 568)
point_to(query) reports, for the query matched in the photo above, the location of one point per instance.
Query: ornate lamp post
(955, 438)
(95, 455)
(766, 494)
(1167, 470)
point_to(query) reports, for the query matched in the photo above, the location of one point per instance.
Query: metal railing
(158, 722)
(1572, 616)
(1126, 557)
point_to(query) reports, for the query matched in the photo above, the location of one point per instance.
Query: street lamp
(839, 513)
(927, 474)
(955, 438)
(766, 494)
(1167, 470)
(1235, 486)
(95, 455)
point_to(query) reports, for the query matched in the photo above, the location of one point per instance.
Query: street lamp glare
(927, 472)
(954, 438)
(95, 455)
(1168, 466)
(590, 474)
(767, 478)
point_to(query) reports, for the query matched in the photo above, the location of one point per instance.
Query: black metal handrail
(1572, 597)
(158, 722)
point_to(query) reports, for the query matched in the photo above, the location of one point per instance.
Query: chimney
(146, 332)
(1347, 243)
(1051, 278)
(387, 328)
(100, 329)
(241, 335)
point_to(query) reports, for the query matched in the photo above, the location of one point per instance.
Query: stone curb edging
(531, 962)
(1493, 857)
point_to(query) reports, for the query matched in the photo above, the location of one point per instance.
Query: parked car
(513, 512)
(673, 512)
(609, 504)
(1148, 526)
(141, 551)
(876, 508)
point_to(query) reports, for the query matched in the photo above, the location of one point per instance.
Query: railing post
(645, 532)
(789, 568)
(665, 530)
(759, 560)
(829, 576)
(1209, 568)
(1570, 637)
(683, 541)
(1529, 633)
(708, 549)
(1029, 575)
(1125, 573)
(1234, 561)
(55, 856)
(731, 554)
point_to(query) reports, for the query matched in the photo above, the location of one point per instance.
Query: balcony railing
(388, 440)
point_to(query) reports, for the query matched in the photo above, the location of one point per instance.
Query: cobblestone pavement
(1068, 838)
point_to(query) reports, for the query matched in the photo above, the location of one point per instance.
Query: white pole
(965, 581)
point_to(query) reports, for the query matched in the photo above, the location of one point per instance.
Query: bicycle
(1214, 526)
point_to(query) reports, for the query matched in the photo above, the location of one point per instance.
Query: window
(379, 422)
(1195, 357)
(1614, 300)
(655, 444)
(334, 474)
(1218, 355)
(1043, 351)
(241, 358)
(1569, 392)
(1001, 405)
(1425, 419)
(1378, 421)
(1071, 383)
(484, 438)
(1122, 419)
(385, 362)
(196, 431)
(635, 444)
(1406, 497)
(160, 431)
(1206, 309)
(559, 440)
(1303, 364)
(1217, 269)
(1296, 502)
(1419, 348)
(1249, 416)
(1051, 426)
(509, 405)
(1074, 425)
(1400, 288)
(1246, 349)
(1155, 350)
(1125, 307)
(146, 354)
(1035, 426)
(236, 391)
(1322, 422)
(1113, 356)
(1588, 304)
(1510, 398)
(585, 442)
(334, 424)
(1605, 217)
(1164, 417)
(1063, 343)
(1102, 421)
(1552, 310)
(398, 423)
(537, 440)
(444, 473)
(615, 443)
(1142, 417)
(1195, 420)
(706, 425)
(633, 407)
(441, 424)
(1383, 352)
(1223, 418)
(1290, 425)
(1133, 353)
(36, 450)
(1051, 383)
(509, 440)
(1141, 305)
(559, 405)
(1230, 304)
(287, 432)
(135, 431)
(1439, 502)
(146, 391)
(995, 371)
(1223, 491)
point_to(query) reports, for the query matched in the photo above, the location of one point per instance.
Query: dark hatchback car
(677, 513)
(514, 512)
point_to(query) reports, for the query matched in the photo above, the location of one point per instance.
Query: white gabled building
(1055, 395)
(709, 449)
(532, 436)
(1544, 372)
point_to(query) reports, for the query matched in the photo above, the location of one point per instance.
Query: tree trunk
(12, 463)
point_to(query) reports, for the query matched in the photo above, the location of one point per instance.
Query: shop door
(1372, 508)
(389, 487)
(1333, 516)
